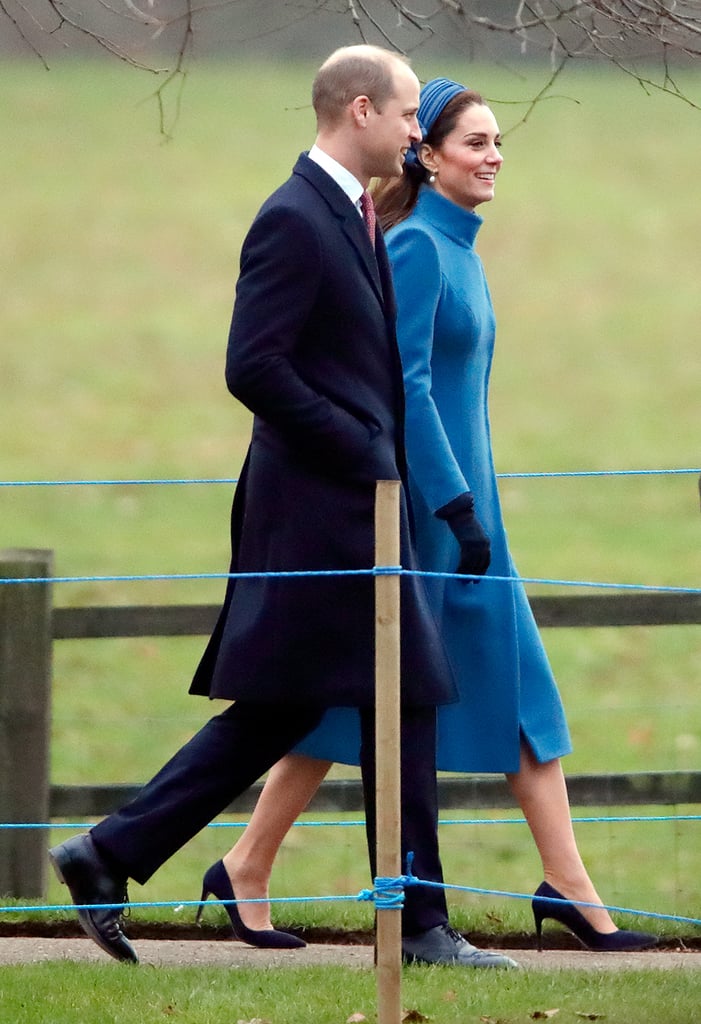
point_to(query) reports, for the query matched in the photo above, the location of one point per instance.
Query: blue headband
(433, 99)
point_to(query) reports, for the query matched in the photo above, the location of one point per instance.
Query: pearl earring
(432, 178)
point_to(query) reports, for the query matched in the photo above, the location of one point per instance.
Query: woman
(510, 718)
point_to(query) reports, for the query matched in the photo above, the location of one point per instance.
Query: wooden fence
(29, 626)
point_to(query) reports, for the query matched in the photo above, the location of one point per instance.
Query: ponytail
(395, 198)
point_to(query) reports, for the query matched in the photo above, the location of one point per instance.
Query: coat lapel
(359, 238)
(350, 221)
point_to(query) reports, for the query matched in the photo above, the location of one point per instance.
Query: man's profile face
(393, 128)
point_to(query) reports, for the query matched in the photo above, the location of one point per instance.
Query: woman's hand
(475, 547)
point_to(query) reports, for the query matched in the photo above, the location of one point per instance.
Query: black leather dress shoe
(90, 881)
(443, 945)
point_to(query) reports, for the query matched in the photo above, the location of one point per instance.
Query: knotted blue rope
(388, 893)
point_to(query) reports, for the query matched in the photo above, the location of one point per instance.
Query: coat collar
(449, 218)
(340, 174)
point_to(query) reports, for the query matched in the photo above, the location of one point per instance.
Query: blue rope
(387, 894)
(595, 584)
(365, 895)
(578, 903)
(375, 571)
(199, 576)
(357, 823)
(596, 472)
(137, 481)
(176, 904)
(603, 819)
(115, 483)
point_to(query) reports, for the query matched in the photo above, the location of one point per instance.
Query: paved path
(219, 953)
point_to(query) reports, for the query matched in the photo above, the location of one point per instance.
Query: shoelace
(453, 934)
(126, 910)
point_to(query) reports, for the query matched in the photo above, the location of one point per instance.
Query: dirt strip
(186, 953)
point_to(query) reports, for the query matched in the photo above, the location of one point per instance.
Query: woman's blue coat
(446, 336)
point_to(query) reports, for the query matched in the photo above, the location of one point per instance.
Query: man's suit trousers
(236, 748)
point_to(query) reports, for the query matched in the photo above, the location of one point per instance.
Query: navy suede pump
(216, 883)
(549, 903)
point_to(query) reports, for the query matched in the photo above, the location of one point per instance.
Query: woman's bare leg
(290, 785)
(540, 790)
(542, 795)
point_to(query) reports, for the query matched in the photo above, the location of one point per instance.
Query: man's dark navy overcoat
(320, 370)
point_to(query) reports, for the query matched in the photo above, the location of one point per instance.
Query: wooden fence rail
(456, 792)
(29, 626)
(572, 612)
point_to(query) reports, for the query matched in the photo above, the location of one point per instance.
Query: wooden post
(387, 746)
(25, 706)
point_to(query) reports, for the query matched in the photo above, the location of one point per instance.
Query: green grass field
(119, 257)
(324, 995)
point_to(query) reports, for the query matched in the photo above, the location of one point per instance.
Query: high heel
(216, 882)
(548, 902)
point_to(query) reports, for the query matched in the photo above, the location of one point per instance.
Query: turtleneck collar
(457, 223)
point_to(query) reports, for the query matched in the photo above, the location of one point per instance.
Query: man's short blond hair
(352, 71)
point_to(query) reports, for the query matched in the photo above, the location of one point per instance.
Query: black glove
(475, 548)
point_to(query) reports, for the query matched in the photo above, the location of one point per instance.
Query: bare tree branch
(178, 76)
(644, 39)
(540, 96)
(14, 21)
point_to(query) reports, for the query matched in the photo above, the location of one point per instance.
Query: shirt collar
(340, 174)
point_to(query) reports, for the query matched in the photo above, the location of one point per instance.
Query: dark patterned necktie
(368, 209)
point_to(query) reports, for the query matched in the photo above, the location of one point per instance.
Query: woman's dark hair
(395, 198)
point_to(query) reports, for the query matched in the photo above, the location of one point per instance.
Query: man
(312, 352)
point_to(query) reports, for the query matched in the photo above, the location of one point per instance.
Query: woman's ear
(427, 158)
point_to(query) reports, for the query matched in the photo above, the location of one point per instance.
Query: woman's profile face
(468, 160)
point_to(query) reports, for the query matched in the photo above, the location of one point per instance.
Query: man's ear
(360, 109)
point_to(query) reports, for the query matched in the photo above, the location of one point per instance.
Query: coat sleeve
(281, 272)
(418, 283)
